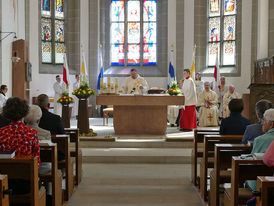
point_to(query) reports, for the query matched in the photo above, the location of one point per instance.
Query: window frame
(53, 41)
(221, 40)
(141, 43)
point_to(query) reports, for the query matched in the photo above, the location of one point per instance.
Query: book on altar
(7, 154)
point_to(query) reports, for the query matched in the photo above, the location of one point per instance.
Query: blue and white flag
(171, 70)
(101, 68)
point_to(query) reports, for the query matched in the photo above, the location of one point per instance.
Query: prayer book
(7, 154)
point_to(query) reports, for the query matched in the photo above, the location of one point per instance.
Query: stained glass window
(52, 31)
(134, 27)
(221, 32)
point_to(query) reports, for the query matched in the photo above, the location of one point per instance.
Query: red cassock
(188, 118)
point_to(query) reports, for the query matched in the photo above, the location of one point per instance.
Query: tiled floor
(135, 185)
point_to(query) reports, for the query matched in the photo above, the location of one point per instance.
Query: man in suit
(49, 121)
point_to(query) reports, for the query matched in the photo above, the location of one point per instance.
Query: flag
(217, 76)
(101, 69)
(192, 69)
(171, 70)
(83, 65)
(65, 71)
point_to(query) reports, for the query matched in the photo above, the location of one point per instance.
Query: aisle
(135, 185)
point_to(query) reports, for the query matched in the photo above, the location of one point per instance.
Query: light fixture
(7, 34)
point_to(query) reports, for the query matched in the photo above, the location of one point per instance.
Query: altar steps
(136, 155)
(135, 143)
(137, 151)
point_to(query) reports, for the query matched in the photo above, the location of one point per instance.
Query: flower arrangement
(173, 89)
(65, 99)
(83, 91)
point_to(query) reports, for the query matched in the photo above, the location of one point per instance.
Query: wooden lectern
(263, 85)
(21, 71)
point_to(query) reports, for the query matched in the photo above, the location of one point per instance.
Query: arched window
(52, 31)
(222, 16)
(133, 32)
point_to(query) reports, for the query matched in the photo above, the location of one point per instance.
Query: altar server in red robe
(188, 120)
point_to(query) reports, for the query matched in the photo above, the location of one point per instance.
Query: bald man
(231, 94)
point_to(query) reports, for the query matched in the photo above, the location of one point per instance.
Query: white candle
(108, 81)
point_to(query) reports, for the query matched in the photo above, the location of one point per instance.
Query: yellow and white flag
(83, 70)
(192, 69)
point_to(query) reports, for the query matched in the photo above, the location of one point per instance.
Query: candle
(112, 86)
(104, 85)
(108, 81)
(116, 82)
(101, 82)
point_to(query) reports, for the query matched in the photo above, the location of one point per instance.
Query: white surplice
(58, 93)
(227, 97)
(76, 100)
(189, 91)
(3, 99)
(208, 116)
(129, 84)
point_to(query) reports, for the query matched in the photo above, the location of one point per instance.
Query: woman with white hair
(32, 120)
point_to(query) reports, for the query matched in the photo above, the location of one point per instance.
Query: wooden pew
(242, 170)
(222, 161)
(265, 185)
(77, 153)
(196, 153)
(207, 161)
(4, 190)
(67, 164)
(48, 153)
(25, 168)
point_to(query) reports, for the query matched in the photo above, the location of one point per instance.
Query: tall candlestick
(108, 81)
(116, 82)
(101, 82)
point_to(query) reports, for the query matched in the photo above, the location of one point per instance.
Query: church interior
(137, 102)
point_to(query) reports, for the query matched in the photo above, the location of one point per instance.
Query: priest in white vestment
(208, 102)
(76, 85)
(134, 84)
(58, 93)
(188, 119)
(231, 94)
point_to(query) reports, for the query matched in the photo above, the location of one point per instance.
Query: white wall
(12, 21)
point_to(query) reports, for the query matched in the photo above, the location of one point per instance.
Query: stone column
(263, 23)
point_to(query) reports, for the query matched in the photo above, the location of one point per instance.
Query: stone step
(136, 155)
(136, 143)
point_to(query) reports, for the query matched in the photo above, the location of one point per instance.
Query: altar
(146, 114)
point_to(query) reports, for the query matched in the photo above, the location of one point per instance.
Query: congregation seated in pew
(268, 157)
(235, 124)
(49, 121)
(254, 130)
(18, 137)
(262, 142)
(208, 103)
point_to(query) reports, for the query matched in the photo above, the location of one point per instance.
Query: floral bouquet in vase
(65, 99)
(83, 91)
(173, 89)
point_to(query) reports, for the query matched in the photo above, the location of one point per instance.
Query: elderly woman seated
(18, 137)
(32, 120)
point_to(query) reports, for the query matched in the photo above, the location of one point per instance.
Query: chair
(106, 112)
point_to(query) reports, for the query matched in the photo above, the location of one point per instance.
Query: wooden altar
(140, 114)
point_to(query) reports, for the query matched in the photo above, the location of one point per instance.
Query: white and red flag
(66, 71)
(217, 75)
